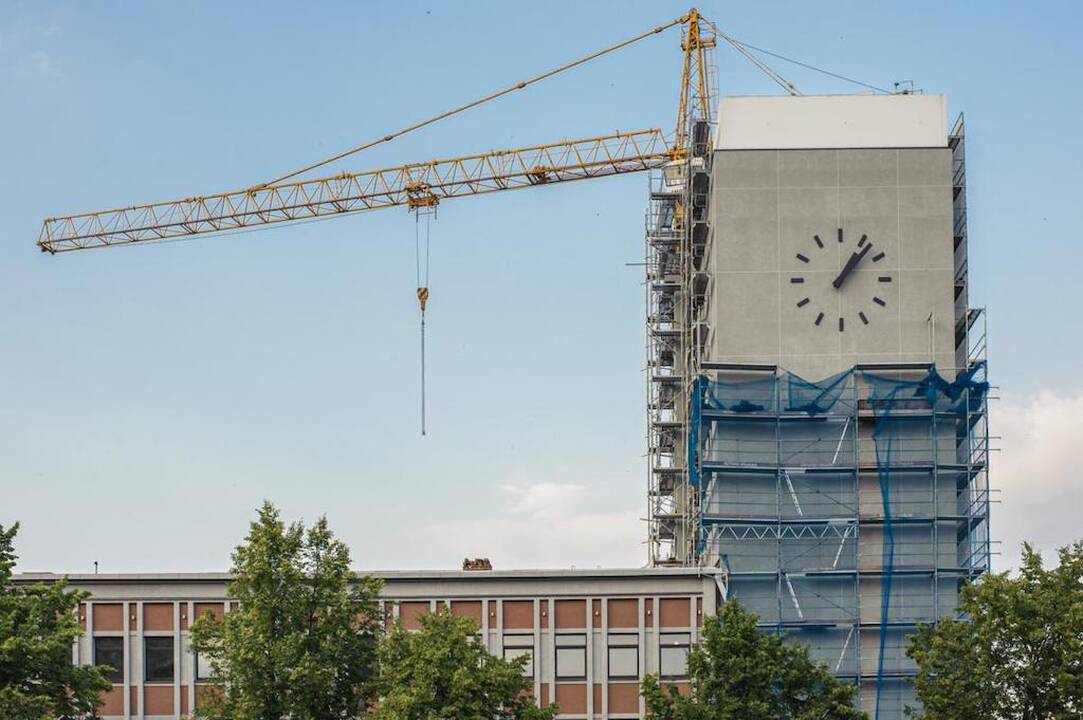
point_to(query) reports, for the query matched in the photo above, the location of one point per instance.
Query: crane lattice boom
(414, 185)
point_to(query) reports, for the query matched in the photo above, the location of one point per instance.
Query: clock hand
(855, 258)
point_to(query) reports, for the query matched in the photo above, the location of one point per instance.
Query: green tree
(1018, 654)
(443, 672)
(303, 642)
(38, 625)
(738, 673)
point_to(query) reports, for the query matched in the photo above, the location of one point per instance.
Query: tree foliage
(303, 642)
(38, 626)
(443, 672)
(738, 673)
(1018, 654)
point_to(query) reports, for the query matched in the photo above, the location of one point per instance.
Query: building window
(623, 656)
(204, 671)
(571, 657)
(158, 659)
(673, 654)
(516, 646)
(110, 651)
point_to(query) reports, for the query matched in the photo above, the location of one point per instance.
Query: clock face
(832, 264)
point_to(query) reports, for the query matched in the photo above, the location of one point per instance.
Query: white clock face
(841, 259)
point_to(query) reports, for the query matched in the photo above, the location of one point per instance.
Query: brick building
(590, 634)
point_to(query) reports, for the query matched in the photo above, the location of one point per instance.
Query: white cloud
(551, 524)
(1038, 471)
(546, 500)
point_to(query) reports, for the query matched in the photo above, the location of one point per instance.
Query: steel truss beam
(414, 185)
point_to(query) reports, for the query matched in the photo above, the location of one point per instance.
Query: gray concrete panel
(753, 318)
(923, 293)
(925, 166)
(925, 227)
(808, 168)
(868, 168)
(746, 169)
(746, 232)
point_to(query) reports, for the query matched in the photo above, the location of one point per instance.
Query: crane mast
(694, 103)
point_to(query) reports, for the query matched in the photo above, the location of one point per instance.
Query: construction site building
(817, 378)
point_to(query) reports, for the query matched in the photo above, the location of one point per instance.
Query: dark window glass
(110, 651)
(158, 659)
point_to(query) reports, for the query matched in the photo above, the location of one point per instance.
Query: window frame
(684, 644)
(522, 644)
(569, 643)
(147, 640)
(196, 676)
(117, 678)
(622, 642)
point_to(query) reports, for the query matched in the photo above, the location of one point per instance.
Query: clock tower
(830, 377)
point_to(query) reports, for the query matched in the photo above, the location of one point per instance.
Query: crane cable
(813, 68)
(480, 101)
(742, 47)
(766, 69)
(422, 270)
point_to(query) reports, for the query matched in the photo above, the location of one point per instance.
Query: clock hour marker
(840, 325)
(884, 278)
(797, 279)
(864, 319)
(878, 257)
(840, 234)
(863, 240)
(802, 303)
(819, 319)
(879, 302)
(802, 258)
(818, 240)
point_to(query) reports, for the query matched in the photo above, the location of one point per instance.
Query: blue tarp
(883, 395)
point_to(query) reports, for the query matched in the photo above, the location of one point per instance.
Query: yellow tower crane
(415, 185)
(420, 187)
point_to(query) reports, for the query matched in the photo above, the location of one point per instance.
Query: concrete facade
(609, 628)
(769, 206)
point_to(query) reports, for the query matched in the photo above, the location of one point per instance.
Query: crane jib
(416, 183)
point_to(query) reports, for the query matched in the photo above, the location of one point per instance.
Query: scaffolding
(848, 510)
(667, 396)
(677, 282)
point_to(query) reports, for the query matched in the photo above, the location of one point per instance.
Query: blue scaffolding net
(848, 510)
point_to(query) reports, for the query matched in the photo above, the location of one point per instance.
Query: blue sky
(155, 395)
